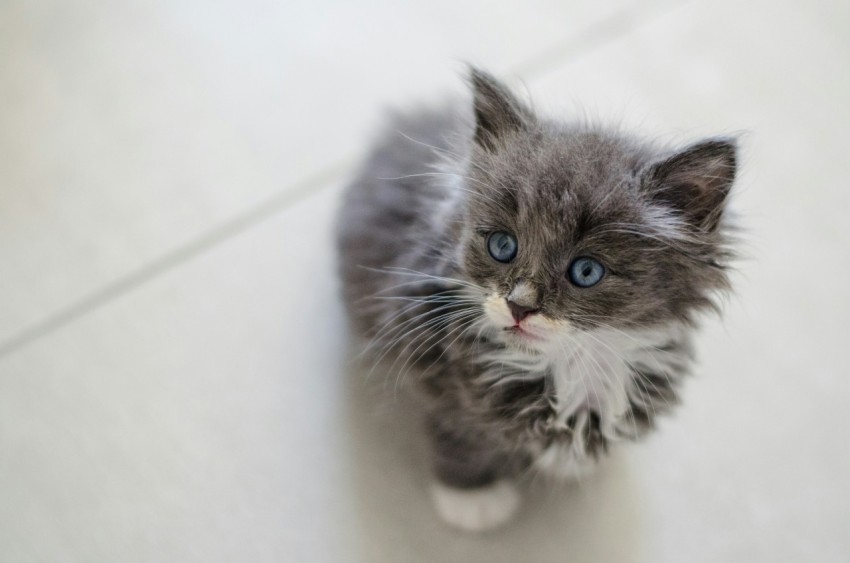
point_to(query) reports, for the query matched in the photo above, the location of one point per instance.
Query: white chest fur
(595, 372)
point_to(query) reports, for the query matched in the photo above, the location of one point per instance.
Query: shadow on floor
(596, 520)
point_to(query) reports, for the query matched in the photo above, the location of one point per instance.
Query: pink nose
(519, 312)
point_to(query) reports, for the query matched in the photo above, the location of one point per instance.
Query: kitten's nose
(519, 312)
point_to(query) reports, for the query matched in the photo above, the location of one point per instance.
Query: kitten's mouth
(522, 333)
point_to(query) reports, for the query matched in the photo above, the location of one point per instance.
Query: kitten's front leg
(469, 491)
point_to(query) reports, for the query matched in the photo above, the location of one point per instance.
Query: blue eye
(502, 246)
(585, 272)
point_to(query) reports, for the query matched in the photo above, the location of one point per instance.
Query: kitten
(534, 284)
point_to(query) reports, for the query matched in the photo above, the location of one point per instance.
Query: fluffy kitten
(534, 284)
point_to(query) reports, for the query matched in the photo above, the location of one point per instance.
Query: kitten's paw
(476, 510)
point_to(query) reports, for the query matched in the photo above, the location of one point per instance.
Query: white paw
(476, 510)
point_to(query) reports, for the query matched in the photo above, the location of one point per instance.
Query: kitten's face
(578, 262)
(573, 230)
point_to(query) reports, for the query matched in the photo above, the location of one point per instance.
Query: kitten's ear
(696, 181)
(497, 112)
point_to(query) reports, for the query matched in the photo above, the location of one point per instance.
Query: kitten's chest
(596, 381)
(583, 397)
(588, 379)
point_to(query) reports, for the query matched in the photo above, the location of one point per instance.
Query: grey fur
(414, 262)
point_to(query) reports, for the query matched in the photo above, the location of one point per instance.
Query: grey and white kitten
(534, 283)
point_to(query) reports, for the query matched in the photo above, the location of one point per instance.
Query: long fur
(598, 364)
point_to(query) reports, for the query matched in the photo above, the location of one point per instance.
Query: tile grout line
(594, 36)
(586, 40)
(211, 238)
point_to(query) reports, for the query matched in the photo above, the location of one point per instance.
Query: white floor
(174, 379)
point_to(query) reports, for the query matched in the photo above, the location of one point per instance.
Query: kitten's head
(571, 228)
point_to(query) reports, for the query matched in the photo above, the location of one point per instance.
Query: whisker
(460, 317)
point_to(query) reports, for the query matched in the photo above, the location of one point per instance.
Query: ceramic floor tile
(127, 130)
(212, 415)
(189, 420)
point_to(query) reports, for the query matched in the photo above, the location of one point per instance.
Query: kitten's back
(391, 199)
